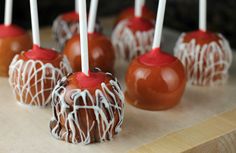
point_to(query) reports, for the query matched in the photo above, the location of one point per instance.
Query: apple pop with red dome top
(134, 36)
(101, 52)
(207, 56)
(87, 106)
(33, 74)
(155, 80)
(130, 13)
(66, 25)
(13, 39)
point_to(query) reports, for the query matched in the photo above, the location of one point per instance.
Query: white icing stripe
(105, 105)
(126, 42)
(63, 31)
(28, 85)
(207, 64)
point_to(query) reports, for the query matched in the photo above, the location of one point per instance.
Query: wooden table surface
(205, 121)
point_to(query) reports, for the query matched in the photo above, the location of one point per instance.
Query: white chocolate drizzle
(102, 113)
(63, 31)
(129, 44)
(207, 64)
(28, 86)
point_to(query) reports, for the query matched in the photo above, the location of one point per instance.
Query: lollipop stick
(84, 37)
(143, 2)
(77, 6)
(138, 8)
(159, 24)
(35, 22)
(202, 15)
(8, 12)
(92, 15)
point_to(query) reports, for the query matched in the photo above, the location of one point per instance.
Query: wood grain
(215, 135)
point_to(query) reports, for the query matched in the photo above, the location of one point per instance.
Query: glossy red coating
(39, 53)
(201, 37)
(139, 24)
(93, 80)
(71, 16)
(129, 13)
(156, 57)
(11, 31)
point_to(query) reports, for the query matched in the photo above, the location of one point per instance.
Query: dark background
(181, 15)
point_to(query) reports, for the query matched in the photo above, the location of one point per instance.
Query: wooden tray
(205, 121)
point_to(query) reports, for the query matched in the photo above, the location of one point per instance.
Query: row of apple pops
(38, 77)
(109, 122)
(156, 42)
(141, 35)
(35, 25)
(84, 44)
(92, 19)
(93, 10)
(8, 17)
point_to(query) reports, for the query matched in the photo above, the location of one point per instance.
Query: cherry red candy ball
(101, 52)
(155, 81)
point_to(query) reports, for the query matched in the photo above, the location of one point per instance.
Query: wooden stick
(8, 12)
(203, 15)
(77, 6)
(84, 37)
(35, 22)
(138, 8)
(159, 24)
(92, 15)
(143, 3)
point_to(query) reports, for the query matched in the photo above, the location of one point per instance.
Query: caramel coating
(37, 78)
(101, 52)
(9, 47)
(206, 56)
(155, 87)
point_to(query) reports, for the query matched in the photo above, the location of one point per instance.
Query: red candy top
(140, 24)
(38, 53)
(156, 57)
(92, 81)
(11, 31)
(71, 17)
(201, 37)
(129, 13)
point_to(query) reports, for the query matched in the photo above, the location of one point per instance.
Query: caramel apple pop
(33, 74)
(87, 106)
(66, 25)
(13, 39)
(207, 56)
(133, 36)
(155, 80)
(101, 52)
